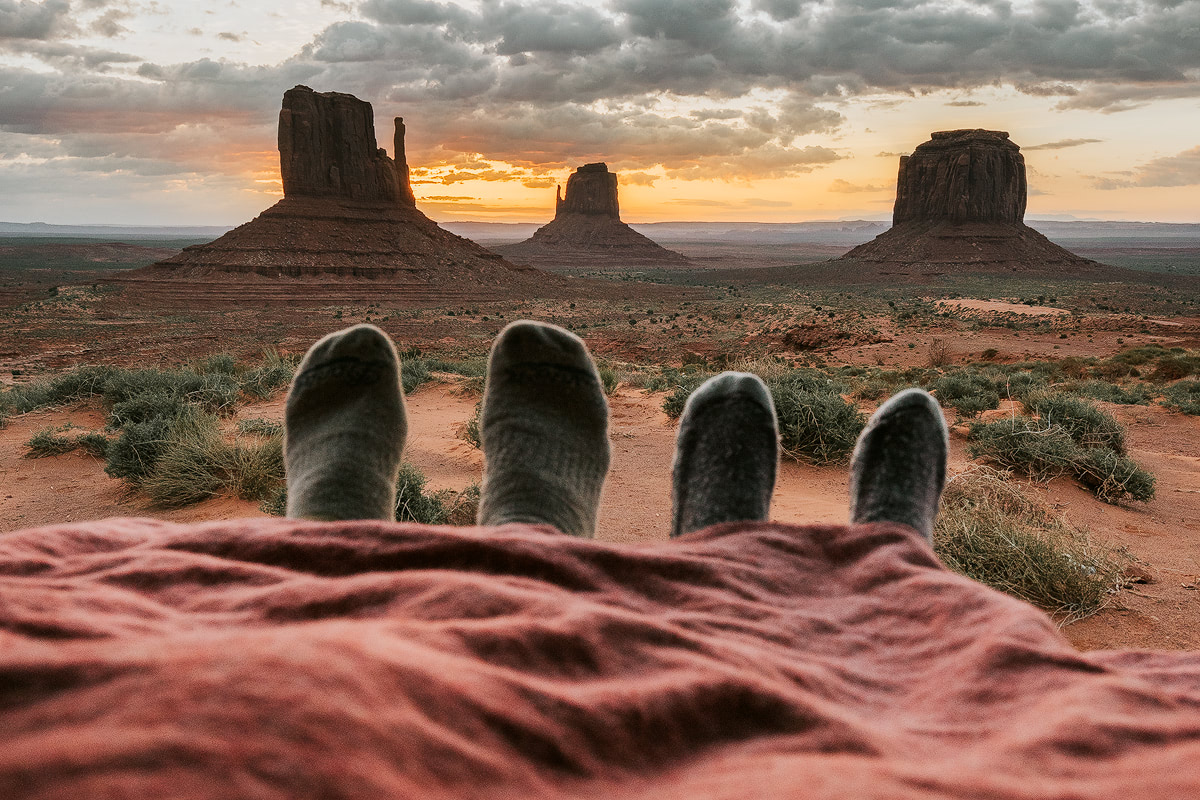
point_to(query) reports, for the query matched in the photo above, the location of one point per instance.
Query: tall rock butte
(960, 207)
(587, 229)
(347, 210)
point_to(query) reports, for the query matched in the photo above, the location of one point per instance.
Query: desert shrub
(49, 442)
(133, 454)
(681, 389)
(1023, 445)
(1136, 356)
(274, 373)
(1183, 396)
(608, 379)
(467, 367)
(939, 352)
(815, 426)
(413, 372)
(1043, 451)
(805, 380)
(412, 504)
(1134, 394)
(470, 429)
(968, 393)
(258, 426)
(146, 406)
(92, 443)
(189, 465)
(1085, 423)
(217, 363)
(990, 530)
(75, 385)
(1175, 367)
(1112, 477)
(215, 392)
(197, 463)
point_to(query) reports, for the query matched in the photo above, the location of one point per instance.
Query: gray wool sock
(544, 429)
(899, 464)
(345, 428)
(726, 454)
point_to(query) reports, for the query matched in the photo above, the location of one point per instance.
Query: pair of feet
(544, 431)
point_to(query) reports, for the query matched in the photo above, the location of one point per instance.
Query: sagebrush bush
(273, 373)
(49, 442)
(990, 530)
(681, 388)
(413, 372)
(196, 463)
(258, 426)
(1043, 451)
(608, 379)
(968, 393)
(1088, 425)
(1133, 394)
(1183, 396)
(75, 385)
(470, 429)
(815, 426)
(132, 455)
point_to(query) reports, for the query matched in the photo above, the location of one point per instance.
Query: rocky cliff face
(348, 211)
(327, 148)
(962, 176)
(587, 230)
(960, 207)
(591, 190)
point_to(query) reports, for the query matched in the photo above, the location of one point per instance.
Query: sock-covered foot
(899, 465)
(544, 430)
(345, 428)
(725, 454)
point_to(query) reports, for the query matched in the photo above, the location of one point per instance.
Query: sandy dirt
(1163, 536)
(1001, 307)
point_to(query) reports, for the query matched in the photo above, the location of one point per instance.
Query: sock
(544, 429)
(345, 428)
(899, 464)
(726, 454)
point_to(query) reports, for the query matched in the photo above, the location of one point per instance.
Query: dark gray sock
(544, 430)
(726, 454)
(344, 428)
(899, 465)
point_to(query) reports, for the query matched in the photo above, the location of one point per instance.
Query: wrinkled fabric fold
(279, 658)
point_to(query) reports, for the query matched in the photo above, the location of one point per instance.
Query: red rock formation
(587, 230)
(960, 206)
(348, 210)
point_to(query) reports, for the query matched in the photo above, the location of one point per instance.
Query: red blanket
(283, 659)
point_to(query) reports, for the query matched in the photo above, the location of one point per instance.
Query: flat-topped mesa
(587, 230)
(969, 175)
(592, 190)
(348, 211)
(960, 207)
(327, 148)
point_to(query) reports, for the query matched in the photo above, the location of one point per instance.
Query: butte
(960, 208)
(587, 230)
(347, 214)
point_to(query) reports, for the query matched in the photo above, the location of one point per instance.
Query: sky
(164, 112)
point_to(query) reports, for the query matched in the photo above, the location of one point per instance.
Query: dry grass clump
(991, 530)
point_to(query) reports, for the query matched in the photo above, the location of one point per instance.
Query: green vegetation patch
(990, 529)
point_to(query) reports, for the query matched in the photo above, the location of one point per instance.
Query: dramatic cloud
(24, 19)
(733, 90)
(1178, 170)
(845, 187)
(1061, 144)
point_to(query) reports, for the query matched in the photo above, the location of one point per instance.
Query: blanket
(289, 659)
